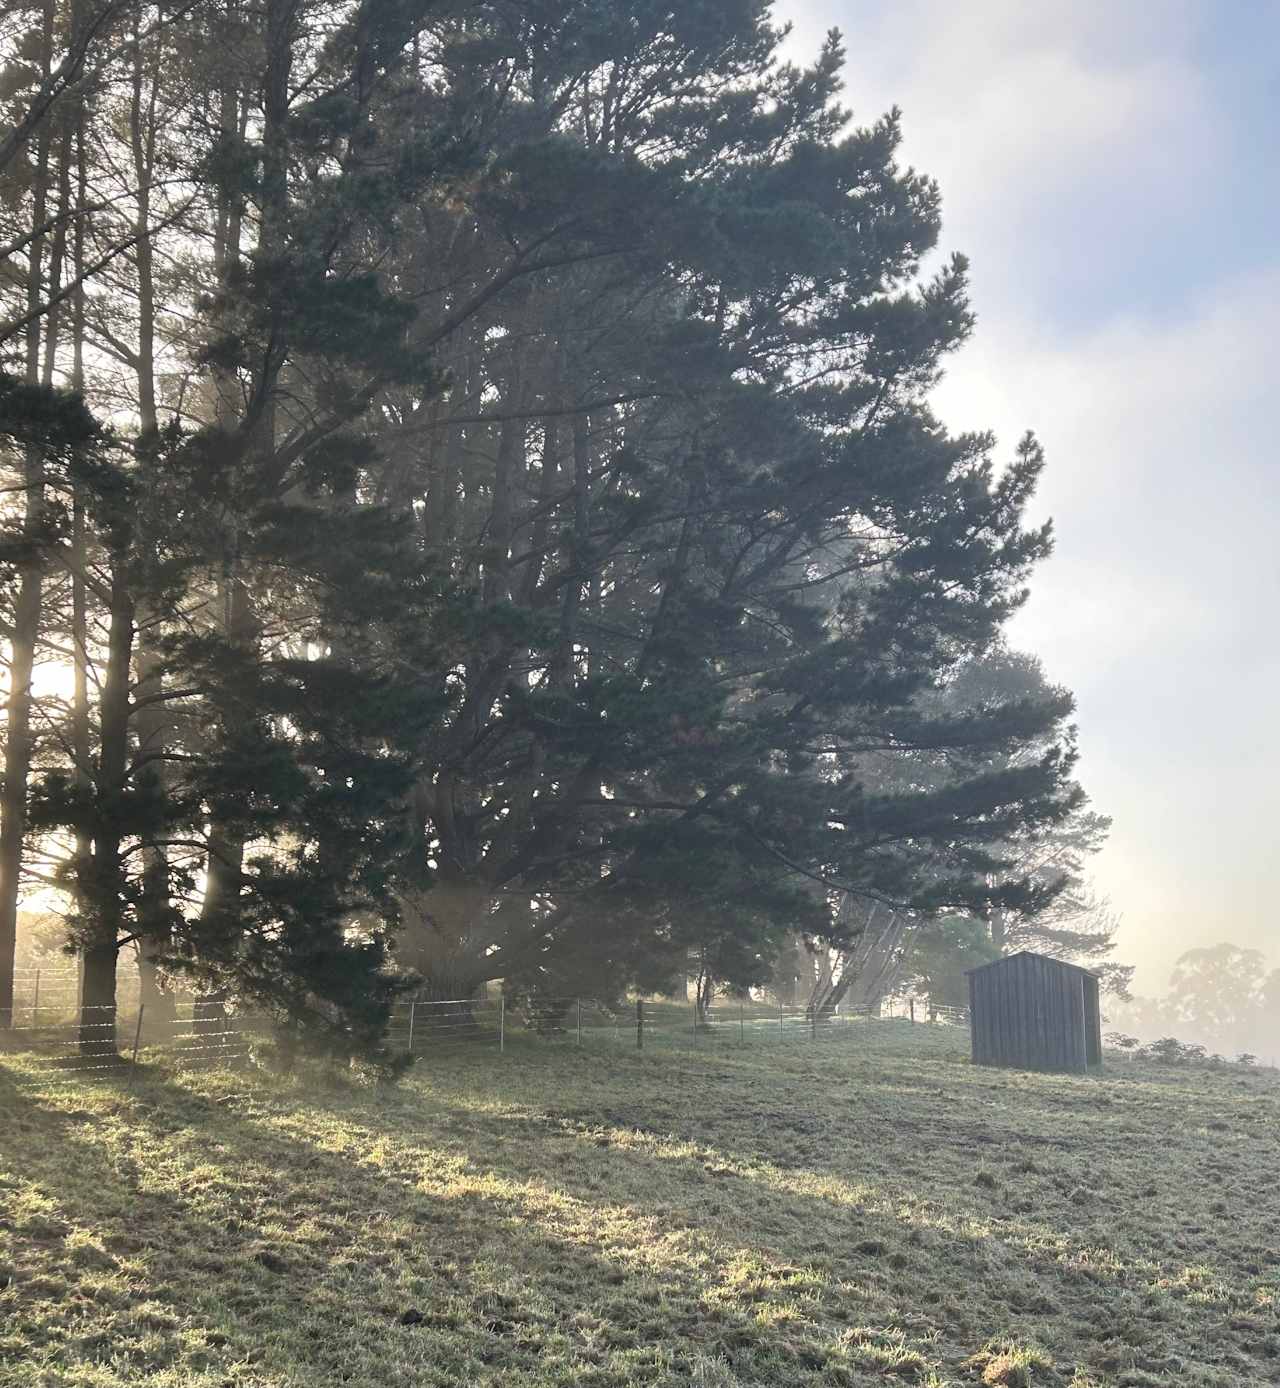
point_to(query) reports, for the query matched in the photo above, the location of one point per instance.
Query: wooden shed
(1031, 1012)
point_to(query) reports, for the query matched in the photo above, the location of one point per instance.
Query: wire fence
(54, 1038)
(49, 993)
(53, 1042)
(423, 1025)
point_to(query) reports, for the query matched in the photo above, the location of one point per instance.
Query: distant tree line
(472, 512)
(1221, 997)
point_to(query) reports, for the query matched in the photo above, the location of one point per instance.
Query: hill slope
(865, 1211)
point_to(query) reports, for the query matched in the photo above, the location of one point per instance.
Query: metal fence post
(813, 1022)
(781, 1028)
(579, 1002)
(639, 1024)
(742, 1024)
(913, 1011)
(502, 1021)
(695, 1024)
(137, 1037)
(413, 1007)
(35, 1006)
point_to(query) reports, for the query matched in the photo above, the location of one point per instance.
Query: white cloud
(1062, 136)
(1159, 606)
(1081, 151)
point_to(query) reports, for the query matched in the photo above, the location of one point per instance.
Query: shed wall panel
(1035, 1013)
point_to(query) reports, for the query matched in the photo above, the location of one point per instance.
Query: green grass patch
(867, 1211)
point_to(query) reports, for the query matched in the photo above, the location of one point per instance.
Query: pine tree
(708, 542)
(526, 550)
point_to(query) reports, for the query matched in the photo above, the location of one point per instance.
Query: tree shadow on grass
(1028, 1217)
(275, 1237)
(163, 1230)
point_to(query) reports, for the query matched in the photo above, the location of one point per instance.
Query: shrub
(1170, 1051)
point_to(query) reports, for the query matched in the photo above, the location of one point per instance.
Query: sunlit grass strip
(731, 1217)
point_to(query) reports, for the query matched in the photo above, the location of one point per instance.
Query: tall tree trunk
(57, 253)
(81, 748)
(224, 863)
(704, 989)
(445, 936)
(102, 886)
(867, 970)
(155, 928)
(27, 607)
(225, 855)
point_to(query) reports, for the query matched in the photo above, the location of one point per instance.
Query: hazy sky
(1112, 168)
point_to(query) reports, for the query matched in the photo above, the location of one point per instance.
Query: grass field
(866, 1210)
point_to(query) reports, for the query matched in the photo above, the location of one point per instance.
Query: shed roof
(1031, 954)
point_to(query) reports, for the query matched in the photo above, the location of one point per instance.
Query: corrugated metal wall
(1035, 1013)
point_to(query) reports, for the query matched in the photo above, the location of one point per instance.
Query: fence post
(579, 1002)
(913, 1011)
(813, 1022)
(695, 1024)
(639, 1024)
(413, 1007)
(781, 1028)
(502, 1021)
(35, 1006)
(137, 1037)
(742, 1024)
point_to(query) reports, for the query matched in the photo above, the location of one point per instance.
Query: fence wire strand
(74, 1042)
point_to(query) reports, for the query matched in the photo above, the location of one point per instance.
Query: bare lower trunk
(441, 945)
(155, 912)
(155, 923)
(703, 993)
(865, 973)
(98, 1001)
(154, 992)
(792, 973)
(101, 878)
(17, 765)
(444, 939)
(219, 921)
